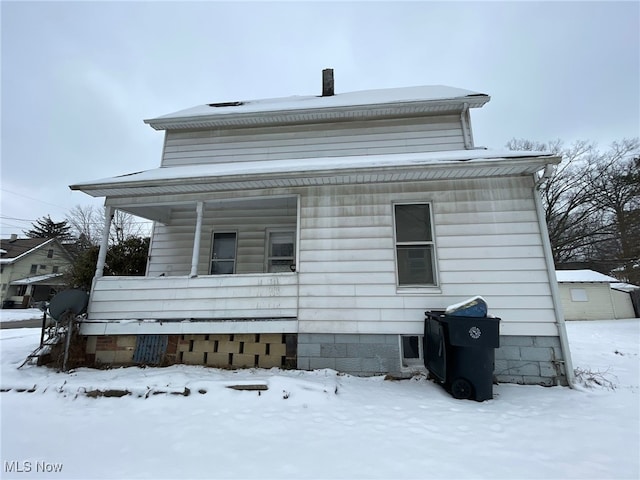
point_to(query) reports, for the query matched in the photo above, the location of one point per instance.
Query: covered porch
(216, 264)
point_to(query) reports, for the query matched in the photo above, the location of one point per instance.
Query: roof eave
(319, 115)
(458, 169)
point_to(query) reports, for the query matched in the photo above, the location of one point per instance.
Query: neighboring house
(32, 270)
(589, 295)
(315, 231)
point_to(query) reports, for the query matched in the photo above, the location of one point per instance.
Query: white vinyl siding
(486, 237)
(487, 243)
(207, 297)
(423, 134)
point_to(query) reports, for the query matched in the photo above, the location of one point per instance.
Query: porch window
(223, 258)
(415, 254)
(281, 248)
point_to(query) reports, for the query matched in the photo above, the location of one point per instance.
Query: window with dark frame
(412, 352)
(50, 253)
(415, 254)
(34, 269)
(223, 257)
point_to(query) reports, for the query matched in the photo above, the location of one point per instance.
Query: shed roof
(314, 108)
(583, 276)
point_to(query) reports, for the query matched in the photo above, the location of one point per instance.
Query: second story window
(34, 269)
(50, 253)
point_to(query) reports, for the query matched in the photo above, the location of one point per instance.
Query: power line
(31, 198)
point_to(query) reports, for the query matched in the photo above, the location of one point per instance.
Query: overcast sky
(78, 78)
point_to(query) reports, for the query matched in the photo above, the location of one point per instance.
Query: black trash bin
(460, 353)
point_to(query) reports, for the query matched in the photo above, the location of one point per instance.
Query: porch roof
(40, 279)
(319, 171)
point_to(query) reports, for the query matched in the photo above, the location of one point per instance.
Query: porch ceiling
(251, 176)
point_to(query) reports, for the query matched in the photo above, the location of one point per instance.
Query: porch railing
(250, 296)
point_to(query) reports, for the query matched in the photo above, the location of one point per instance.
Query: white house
(315, 231)
(589, 295)
(31, 270)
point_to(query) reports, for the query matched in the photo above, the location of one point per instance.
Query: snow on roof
(583, 276)
(313, 165)
(310, 102)
(18, 248)
(37, 279)
(624, 287)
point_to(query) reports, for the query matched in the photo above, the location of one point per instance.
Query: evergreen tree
(126, 258)
(46, 228)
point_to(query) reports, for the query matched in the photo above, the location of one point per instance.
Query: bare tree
(591, 202)
(87, 222)
(616, 191)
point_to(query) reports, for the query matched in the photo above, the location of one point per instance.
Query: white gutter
(468, 141)
(551, 273)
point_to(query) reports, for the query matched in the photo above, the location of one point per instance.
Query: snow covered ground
(320, 424)
(19, 314)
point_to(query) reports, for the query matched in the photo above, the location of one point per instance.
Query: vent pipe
(327, 82)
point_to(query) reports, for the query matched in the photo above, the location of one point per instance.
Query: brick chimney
(327, 82)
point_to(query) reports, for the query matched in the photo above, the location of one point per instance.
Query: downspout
(196, 240)
(468, 141)
(551, 273)
(104, 244)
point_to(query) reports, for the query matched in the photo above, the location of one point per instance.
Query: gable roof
(312, 109)
(13, 250)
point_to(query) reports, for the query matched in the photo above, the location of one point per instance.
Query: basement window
(411, 351)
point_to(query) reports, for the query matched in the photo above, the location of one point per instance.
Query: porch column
(196, 240)
(104, 242)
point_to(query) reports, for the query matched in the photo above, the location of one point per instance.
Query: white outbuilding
(590, 295)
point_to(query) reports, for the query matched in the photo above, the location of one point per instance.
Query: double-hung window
(281, 251)
(415, 249)
(223, 257)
